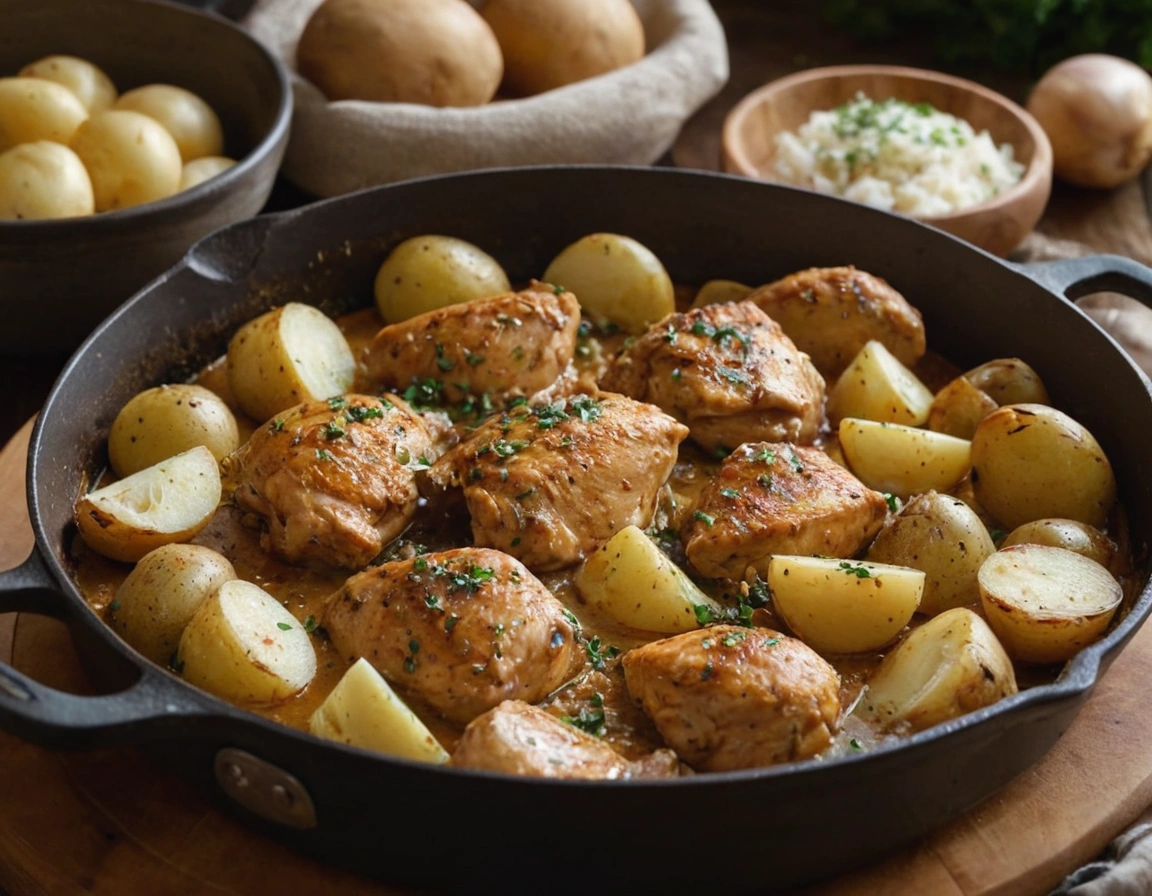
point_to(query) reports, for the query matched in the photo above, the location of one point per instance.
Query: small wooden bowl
(997, 225)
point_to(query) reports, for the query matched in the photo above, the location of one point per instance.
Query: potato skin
(37, 109)
(164, 421)
(192, 123)
(130, 157)
(88, 81)
(958, 408)
(425, 273)
(42, 180)
(1008, 381)
(1031, 461)
(1067, 534)
(945, 538)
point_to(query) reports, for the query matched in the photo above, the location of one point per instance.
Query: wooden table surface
(108, 823)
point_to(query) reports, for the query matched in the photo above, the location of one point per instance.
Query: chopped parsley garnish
(858, 570)
(426, 393)
(599, 654)
(734, 638)
(704, 614)
(797, 465)
(450, 623)
(507, 321)
(676, 374)
(729, 493)
(333, 430)
(706, 672)
(771, 642)
(473, 359)
(475, 474)
(767, 455)
(855, 744)
(445, 364)
(589, 719)
(765, 479)
(527, 493)
(666, 539)
(558, 289)
(550, 414)
(114, 606)
(276, 425)
(432, 602)
(670, 335)
(420, 564)
(310, 624)
(733, 375)
(587, 408)
(322, 454)
(997, 535)
(704, 518)
(504, 448)
(358, 413)
(284, 626)
(336, 402)
(892, 501)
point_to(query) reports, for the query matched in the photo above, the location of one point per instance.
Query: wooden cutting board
(111, 823)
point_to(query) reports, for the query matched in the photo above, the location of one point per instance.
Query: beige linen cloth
(626, 117)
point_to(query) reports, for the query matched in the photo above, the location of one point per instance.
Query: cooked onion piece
(944, 537)
(168, 420)
(1067, 534)
(1031, 462)
(617, 280)
(43, 180)
(205, 168)
(92, 87)
(902, 460)
(958, 408)
(876, 386)
(631, 580)
(130, 158)
(163, 504)
(1046, 603)
(843, 606)
(951, 665)
(292, 354)
(363, 711)
(1008, 381)
(158, 598)
(244, 646)
(429, 272)
(716, 292)
(192, 122)
(37, 109)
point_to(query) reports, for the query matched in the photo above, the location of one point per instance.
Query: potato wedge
(631, 580)
(166, 420)
(158, 598)
(363, 711)
(616, 279)
(292, 354)
(244, 646)
(159, 505)
(1067, 534)
(428, 272)
(1032, 462)
(716, 292)
(951, 665)
(944, 537)
(1046, 603)
(958, 408)
(902, 460)
(843, 606)
(876, 386)
(1009, 381)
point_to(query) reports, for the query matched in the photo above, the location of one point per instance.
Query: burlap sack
(629, 117)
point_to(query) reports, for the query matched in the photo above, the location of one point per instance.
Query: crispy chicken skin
(779, 498)
(510, 345)
(331, 479)
(728, 697)
(462, 630)
(831, 313)
(520, 739)
(728, 372)
(550, 483)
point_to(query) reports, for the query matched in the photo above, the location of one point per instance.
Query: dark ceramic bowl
(58, 279)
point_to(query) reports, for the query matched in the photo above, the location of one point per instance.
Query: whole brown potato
(435, 52)
(550, 43)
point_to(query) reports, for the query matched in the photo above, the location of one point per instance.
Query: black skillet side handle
(1076, 277)
(150, 706)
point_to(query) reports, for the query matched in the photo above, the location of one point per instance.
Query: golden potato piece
(903, 460)
(876, 386)
(43, 180)
(192, 123)
(130, 158)
(1068, 534)
(958, 408)
(36, 109)
(92, 87)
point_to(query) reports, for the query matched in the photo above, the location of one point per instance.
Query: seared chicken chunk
(831, 313)
(778, 498)
(728, 697)
(729, 372)
(462, 630)
(520, 739)
(332, 480)
(550, 483)
(503, 347)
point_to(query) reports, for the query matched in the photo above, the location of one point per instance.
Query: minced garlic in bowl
(903, 157)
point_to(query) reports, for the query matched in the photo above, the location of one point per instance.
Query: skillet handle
(1076, 277)
(147, 710)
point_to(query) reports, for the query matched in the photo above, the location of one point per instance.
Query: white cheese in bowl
(904, 157)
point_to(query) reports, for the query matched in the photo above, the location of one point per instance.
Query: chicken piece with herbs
(520, 739)
(728, 372)
(462, 630)
(831, 313)
(550, 483)
(727, 697)
(332, 480)
(493, 349)
(779, 498)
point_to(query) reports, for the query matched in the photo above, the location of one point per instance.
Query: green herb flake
(599, 654)
(310, 624)
(527, 493)
(797, 464)
(450, 623)
(855, 744)
(767, 455)
(277, 425)
(333, 430)
(284, 626)
(729, 493)
(473, 360)
(857, 569)
(337, 402)
(322, 454)
(676, 375)
(892, 501)
(706, 672)
(114, 606)
(704, 518)
(704, 614)
(358, 413)
(590, 720)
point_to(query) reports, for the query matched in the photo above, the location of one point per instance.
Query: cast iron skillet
(442, 828)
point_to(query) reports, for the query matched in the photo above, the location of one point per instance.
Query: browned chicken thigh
(520, 739)
(729, 372)
(462, 630)
(728, 697)
(831, 313)
(779, 498)
(550, 483)
(332, 480)
(510, 345)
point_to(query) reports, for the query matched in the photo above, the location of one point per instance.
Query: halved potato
(631, 580)
(162, 593)
(1046, 603)
(290, 355)
(1009, 381)
(431, 271)
(159, 505)
(616, 279)
(843, 606)
(1067, 534)
(244, 646)
(958, 409)
(951, 665)
(1031, 462)
(876, 386)
(363, 711)
(716, 292)
(902, 460)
